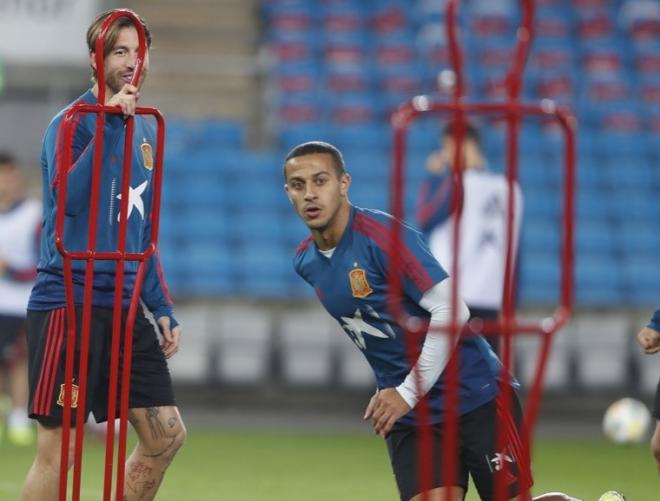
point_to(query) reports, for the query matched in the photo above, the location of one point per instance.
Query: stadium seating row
(246, 345)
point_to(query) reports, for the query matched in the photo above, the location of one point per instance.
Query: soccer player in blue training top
(152, 410)
(649, 339)
(346, 261)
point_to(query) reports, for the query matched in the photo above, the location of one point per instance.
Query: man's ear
(288, 195)
(345, 183)
(92, 59)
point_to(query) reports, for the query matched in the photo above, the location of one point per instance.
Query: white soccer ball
(626, 421)
(612, 496)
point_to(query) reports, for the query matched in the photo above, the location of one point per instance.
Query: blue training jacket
(48, 292)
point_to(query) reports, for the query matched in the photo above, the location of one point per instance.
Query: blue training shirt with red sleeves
(352, 286)
(48, 292)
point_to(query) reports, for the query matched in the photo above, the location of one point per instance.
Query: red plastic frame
(508, 325)
(90, 256)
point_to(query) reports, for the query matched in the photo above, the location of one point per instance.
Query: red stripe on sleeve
(161, 279)
(382, 235)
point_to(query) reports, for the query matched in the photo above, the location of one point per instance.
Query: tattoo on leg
(156, 427)
(140, 478)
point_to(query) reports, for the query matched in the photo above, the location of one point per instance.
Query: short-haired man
(347, 259)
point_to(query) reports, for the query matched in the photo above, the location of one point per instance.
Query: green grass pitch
(263, 466)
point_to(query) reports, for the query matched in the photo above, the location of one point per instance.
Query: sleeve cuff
(407, 394)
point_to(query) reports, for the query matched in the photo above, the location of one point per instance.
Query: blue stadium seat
(291, 135)
(248, 224)
(540, 235)
(642, 279)
(542, 202)
(598, 279)
(595, 236)
(372, 136)
(538, 279)
(261, 268)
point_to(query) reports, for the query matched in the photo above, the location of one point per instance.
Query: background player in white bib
(347, 261)
(482, 251)
(20, 221)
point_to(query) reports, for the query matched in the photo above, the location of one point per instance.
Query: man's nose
(310, 193)
(132, 60)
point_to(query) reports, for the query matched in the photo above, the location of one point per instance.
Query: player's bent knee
(49, 446)
(161, 431)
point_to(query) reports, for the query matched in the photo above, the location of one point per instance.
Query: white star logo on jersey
(134, 200)
(356, 325)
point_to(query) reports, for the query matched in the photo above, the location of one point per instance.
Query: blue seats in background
(338, 70)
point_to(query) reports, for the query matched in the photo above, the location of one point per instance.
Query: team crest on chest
(74, 395)
(147, 155)
(359, 284)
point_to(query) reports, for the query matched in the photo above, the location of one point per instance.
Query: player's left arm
(157, 298)
(649, 336)
(390, 404)
(426, 283)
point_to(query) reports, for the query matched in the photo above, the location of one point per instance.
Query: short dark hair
(312, 147)
(470, 131)
(7, 159)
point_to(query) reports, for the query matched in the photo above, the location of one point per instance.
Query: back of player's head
(318, 147)
(113, 31)
(470, 131)
(7, 160)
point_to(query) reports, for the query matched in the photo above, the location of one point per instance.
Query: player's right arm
(80, 171)
(649, 336)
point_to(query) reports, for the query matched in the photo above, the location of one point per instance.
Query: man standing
(649, 340)
(152, 410)
(347, 261)
(20, 221)
(482, 251)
